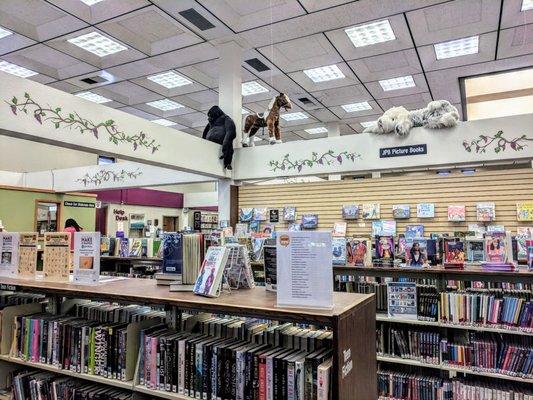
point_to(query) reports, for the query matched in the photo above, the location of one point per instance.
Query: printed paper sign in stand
(304, 273)
(86, 258)
(9, 253)
(401, 300)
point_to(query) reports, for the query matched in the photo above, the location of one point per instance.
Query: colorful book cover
(413, 231)
(295, 226)
(524, 211)
(384, 228)
(456, 213)
(254, 226)
(268, 229)
(475, 250)
(350, 211)
(401, 211)
(210, 276)
(260, 214)
(309, 221)
(454, 252)
(529, 246)
(485, 212)
(496, 248)
(246, 214)
(401, 246)
(416, 254)
(385, 250)
(241, 229)
(136, 248)
(172, 253)
(523, 233)
(338, 248)
(358, 252)
(425, 210)
(339, 228)
(289, 214)
(495, 228)
(124, 247)
(371, 211)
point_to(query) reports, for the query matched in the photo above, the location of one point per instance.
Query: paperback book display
(209, 279)
(27, 254)
(408, 343)
(9, 253)
(56, 256)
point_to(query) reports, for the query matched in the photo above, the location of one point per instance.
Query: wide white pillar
(230, 85)
(333, 131)
(224, 199)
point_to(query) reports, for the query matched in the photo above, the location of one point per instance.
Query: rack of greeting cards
(116, 335)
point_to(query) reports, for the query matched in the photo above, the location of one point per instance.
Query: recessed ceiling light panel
(527, 5)
(369, 34)
(324, 74)
(294, 116)
(367, 124)
(457, 48)
(97, 44)
(164, 122)
(252, 87)
(353, 107)
(315, 131)
(402, 82)
(170, 80)
(91, 2)
(4, 32)
(17, 70)
(94, 97)
(165, 105)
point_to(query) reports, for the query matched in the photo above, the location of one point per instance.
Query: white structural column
(230, 85)
(224, 199)
(333, 131)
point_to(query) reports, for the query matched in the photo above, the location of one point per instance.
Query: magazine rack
(352, 321)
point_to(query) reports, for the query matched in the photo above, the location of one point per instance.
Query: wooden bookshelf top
(255, 302)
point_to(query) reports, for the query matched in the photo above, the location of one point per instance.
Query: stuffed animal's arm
(206, 129)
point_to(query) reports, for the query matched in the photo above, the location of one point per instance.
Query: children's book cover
(524, 211)
(384, 228)
(454, 252)
(246, 214)
(412, 231)
(260, 214)
(385, 250)
(358, 252)
(416, 254)
(172, 253)
(486, 212)
(496, 248)
(425, 210)
(338, 247)
(523, 234)
(339, 228)
(475, 250)
(350, 211)
(309, 221)
(456, 213)
(289, 214)
(371, 211)
(401, 211)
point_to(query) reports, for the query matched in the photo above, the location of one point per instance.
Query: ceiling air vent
(306, 101)
(195, 18)
(257, 64)
(93, 80)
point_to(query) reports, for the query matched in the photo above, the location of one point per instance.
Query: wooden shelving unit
(352, 321)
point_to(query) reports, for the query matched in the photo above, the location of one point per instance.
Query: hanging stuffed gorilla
(221, 129)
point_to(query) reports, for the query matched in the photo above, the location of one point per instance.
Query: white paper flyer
(9, 254)
(86, 258)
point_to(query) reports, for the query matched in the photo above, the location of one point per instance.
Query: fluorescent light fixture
(97, 44)
(294, 116)
(444, 172)
(527, 5)
(17, 70)
(373, 33)
(170, 80)
(245, 111)
(91, 2)
(4, 32)
(367, 124)
(94, 97)
(165, 105)
(324, 74)
(402, 82)
(468, 171)
(164, 122)
(357, 106)
(252, 87)
(457, 48)
(315, 131)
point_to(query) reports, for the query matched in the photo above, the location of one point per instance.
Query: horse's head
(284, 101)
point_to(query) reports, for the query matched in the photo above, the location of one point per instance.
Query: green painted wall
(17, 209)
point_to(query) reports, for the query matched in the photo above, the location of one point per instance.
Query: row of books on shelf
(486, 352)
(130, 247)
(394, 385)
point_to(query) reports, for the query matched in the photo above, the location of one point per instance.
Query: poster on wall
(86, 258)
(401, 300)
(425, 210)
(524, 211)
(304, 269)
(9, 254)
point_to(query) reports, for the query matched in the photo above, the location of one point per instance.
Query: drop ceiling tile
(110, 104)
(136, 69)
(64, 86)
(307, 136)
(317, 5)
(37, 19)
(139, 113)
(14, 42)
(207, 73)
(177, 91)
(378, 92)
(124, 56)
(516, 41)
(398, 63)
(343, 95)
(201, 101)
(343, 115)
(487, 48)
(304, 53)
(192, 120)
(345, 46)
(304, 81)
(187, 56)
(324, 115)
(163, 114)
(453, 20)
(150, 30)
(127, 93)
(411, 102)
(48, 61)
(355, 123)
(99, 11)
(513, 16)
(243, 14)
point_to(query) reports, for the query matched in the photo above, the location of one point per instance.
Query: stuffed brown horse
(270, 119)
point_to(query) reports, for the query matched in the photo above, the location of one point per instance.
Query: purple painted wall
(141, 197)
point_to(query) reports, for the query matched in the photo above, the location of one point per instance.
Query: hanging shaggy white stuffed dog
(438, 114)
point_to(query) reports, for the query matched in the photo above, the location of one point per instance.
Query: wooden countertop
(255, 302)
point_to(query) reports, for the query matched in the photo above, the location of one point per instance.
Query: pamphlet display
(209, 280)
(401, 298)
(305, 277)
(270, 262)
(27, 254)
(57, 256)
(86, 257)
(425, 210)
(9, 253)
